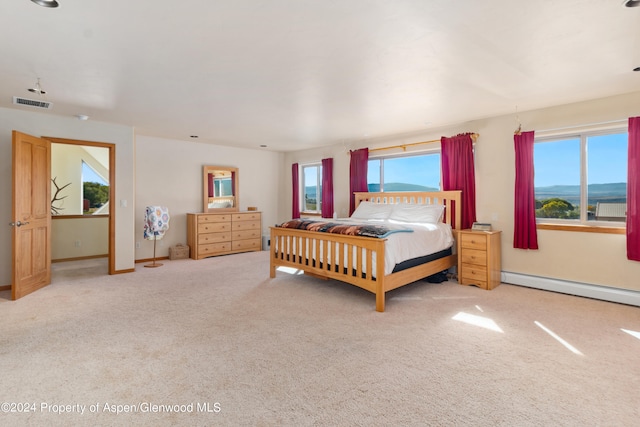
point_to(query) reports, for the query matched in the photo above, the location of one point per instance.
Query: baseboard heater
(605, 293)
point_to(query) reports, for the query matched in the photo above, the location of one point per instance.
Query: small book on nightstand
(481, 226)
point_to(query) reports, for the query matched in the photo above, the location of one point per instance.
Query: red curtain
(233, 183)
(633, 190)
(295, 202)
(458, 173)
(357, 175)
(524, 225)
(327, 188)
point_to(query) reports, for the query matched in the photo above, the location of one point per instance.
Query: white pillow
(405, 212)
(369, 210)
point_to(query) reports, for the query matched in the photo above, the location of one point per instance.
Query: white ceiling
(296, 74)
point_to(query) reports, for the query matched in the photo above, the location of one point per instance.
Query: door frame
(112, 189)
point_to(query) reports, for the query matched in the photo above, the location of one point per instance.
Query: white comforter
(425, 239)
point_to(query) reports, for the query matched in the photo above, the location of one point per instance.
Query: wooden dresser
(211, 234)
(479, 258)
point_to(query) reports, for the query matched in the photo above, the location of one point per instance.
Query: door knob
(18, 224)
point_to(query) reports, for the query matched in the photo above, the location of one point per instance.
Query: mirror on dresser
(220, 185)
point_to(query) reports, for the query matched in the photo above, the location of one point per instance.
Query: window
(95, 191)
(582, 178)
(312, 188)
(405, 173)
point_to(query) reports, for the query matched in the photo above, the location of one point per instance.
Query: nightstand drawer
(474, 241)
(474, 272)
(474, 256)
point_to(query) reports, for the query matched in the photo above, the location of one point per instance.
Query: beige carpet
(224, 345)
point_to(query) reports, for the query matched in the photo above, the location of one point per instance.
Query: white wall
(48, 124)
(591, 258)
(169, 173)
(79, 237)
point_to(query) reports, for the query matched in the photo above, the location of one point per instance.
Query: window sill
(311, 214)
(582, 228)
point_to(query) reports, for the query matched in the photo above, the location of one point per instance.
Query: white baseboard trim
(605, 293)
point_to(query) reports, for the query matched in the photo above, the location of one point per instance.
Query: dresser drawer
(246, 216)
(473, 241)
(214, 227)
(249, 244)
(246, 234)
(213, 248)
(207, 238)
(474, 256)
(214, 218)
(245, 225)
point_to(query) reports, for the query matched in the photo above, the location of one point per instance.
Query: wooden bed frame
(289, 248)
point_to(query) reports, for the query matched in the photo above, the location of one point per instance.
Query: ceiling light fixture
(636, 69)
(46, 3)
(82, 117)
(37, 88)
(632, 3)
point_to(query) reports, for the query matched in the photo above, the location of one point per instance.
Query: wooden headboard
(452, 201)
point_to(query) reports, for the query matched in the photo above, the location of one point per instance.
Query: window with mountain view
(404, 173)
(581, 178)
(312, 188)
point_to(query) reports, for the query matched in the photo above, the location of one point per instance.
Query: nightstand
(479, 258)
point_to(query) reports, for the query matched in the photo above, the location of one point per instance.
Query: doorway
(80, 214)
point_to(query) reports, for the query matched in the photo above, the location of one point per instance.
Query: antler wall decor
(56, 210)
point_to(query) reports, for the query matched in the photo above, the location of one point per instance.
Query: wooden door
(31, 214)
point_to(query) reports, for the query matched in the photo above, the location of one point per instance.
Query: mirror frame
(205, 188)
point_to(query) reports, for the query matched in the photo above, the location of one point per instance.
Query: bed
(221, 202)
(362, 260)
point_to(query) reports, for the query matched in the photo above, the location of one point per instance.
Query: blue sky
(89, 175)
(422, 170)
(558, 163)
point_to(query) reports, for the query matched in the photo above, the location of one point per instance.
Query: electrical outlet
(78, 243)
(137, 245)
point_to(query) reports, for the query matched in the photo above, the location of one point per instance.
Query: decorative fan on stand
(156, 223)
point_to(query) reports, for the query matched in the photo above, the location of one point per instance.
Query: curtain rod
(610, 123)
(474, 136)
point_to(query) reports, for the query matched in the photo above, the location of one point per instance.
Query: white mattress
(426, 239)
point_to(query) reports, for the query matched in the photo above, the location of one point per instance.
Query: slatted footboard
(355, 260)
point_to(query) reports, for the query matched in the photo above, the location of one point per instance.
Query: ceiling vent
(17, 100)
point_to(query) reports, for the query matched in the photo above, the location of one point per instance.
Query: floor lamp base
(154, 264)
